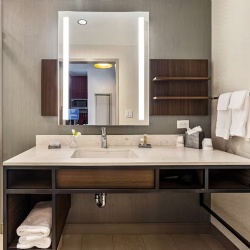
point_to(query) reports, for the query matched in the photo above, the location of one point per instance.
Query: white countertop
(157, 155)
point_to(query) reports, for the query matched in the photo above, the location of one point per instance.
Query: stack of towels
(35, 231)
(233, 115)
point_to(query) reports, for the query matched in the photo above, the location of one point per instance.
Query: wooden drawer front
(105, 179)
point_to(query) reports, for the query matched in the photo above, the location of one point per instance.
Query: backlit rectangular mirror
(103, 71)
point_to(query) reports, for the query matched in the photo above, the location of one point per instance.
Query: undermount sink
(104, 153)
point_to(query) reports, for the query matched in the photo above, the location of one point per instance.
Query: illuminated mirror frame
(141, 69)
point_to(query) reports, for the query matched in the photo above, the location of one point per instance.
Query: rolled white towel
(40, 243)
(38, 223)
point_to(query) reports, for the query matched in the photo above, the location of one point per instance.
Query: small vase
(73, 143)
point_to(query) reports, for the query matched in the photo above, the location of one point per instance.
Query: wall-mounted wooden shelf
(49, 87)
(181, 97)
(161, 79)
(179, 87)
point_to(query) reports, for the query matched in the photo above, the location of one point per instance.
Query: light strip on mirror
(65, 68)
(141, 66)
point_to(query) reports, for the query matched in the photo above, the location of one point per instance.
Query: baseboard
(222, 239)
(138, 228)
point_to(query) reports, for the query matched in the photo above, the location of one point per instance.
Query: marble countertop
(157, 155)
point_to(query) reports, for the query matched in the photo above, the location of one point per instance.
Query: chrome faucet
(104, 138)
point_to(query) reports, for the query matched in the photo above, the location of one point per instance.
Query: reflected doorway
(103, 106)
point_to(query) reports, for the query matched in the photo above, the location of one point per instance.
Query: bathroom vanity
(41, 174)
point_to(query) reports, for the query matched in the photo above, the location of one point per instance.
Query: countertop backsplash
(113, 140)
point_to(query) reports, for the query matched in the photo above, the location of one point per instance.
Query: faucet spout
(104, 138)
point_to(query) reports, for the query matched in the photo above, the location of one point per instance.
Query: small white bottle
(141, 141)
(145, 139)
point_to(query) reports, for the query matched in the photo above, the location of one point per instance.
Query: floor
(141, 242)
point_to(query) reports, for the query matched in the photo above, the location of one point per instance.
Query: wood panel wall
(178, 88)
(49, 89)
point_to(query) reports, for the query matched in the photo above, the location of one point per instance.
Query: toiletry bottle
(145, 139)
(141, 141)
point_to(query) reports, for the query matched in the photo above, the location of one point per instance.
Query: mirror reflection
(103, 68)
(92, 93)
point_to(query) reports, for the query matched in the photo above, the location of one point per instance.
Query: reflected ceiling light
(141, 66)
(103, 65)
(65, 68)
(82, 22)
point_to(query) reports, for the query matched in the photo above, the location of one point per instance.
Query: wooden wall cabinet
(179, 87)
(49, 89)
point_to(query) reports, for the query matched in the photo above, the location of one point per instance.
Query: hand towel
(224, 116)
(239, 115)
(224, 101)
(248, 122)
(237, 100)
(38, 223)
(39, 243)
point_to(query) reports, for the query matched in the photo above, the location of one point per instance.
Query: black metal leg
(224, 223)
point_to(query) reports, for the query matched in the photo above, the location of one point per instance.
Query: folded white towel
(223, 101)
(237, 100)
(39, 243)
(38, 223)
(224, 116)
(239, 116)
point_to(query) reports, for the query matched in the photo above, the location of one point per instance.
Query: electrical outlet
(183, 124)
(129, 113)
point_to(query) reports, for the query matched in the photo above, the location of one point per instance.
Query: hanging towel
(248, 122)
(224, 116)
(38, 223)
(239, 104)
(40, 243)
(237, 100)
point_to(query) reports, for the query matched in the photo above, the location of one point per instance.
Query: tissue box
(194, 140)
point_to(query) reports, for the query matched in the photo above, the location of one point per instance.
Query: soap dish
(145, 146)
(54, 147)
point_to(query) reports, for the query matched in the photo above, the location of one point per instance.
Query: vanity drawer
(105, 179)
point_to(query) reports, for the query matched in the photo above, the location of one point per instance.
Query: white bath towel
(38, 223)
(224, 116)
(40, 243)
(237, 100)
(239, 115)
(248, 123)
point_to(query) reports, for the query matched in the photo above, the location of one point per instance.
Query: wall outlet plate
(183, 124)
(129, 113)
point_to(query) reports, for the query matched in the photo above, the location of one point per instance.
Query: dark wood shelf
(227, 184)
(179, 185)
(181, 85)
(229, 179)
(29, 179)
(181, 98)
(161, 79)
(31, 184)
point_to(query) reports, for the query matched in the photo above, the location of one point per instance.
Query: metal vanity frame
(17, 194)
